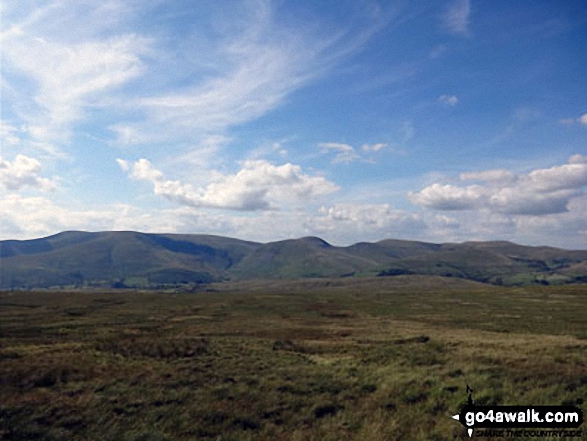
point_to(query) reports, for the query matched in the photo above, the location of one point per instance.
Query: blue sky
(353, 121)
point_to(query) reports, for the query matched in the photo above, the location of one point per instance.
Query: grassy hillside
(118, 258)
(306, 257)
(131, 259)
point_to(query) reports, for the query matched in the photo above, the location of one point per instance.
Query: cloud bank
(539, 192)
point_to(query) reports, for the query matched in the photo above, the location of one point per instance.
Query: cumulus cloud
(539, 192)
(23, 171)
(456, 18)
(449, 100)
(259, 185)
(448, 197)
(583, 119)
(568, 229)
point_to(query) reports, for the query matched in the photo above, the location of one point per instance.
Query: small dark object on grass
(415, 398)
(326, 410)
(287, 345)
(369, 388)
(418, 339)
(246, 423)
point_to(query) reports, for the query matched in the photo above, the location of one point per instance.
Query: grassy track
(360, 359)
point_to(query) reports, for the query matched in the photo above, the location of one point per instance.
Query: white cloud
(69, 59)
(126, 135)
(563, 229)
(33, 217)
(373, 147)
(557, 229)
(449, 100)
(456, 18)
(270, 148)
(8, 135)
(448, 197)
(226, 67)
(29, 217)
(71, 77)
(446, 221)
(571, 121)
(540, 192)
(496, 177)
(578, 159)
(525, 201)
(124, 165)
(261, 79)
(60, 64)
(259, 185)
(345, 148)
(23, 171)
(572, 176)
(253, 65)
(345, 153)
(344, 223)
(366, 216)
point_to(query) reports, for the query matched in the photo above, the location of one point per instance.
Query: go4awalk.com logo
(527, 421)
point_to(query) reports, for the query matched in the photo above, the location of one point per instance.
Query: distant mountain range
(132, 259)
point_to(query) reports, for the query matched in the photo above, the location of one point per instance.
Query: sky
(444, 121)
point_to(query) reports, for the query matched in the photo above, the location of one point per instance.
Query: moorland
(356, 358)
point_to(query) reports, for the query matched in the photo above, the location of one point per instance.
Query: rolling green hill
(118, 259)
(132, 259)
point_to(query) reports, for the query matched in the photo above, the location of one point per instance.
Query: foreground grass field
(346, 359)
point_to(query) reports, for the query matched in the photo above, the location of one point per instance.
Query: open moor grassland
(371, 359)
